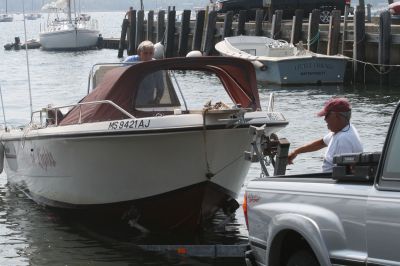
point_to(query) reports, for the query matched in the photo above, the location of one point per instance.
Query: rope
(313, 39)
(375, 67)
(229, 164)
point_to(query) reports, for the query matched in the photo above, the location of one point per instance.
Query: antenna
(2, 105)
(27, 58)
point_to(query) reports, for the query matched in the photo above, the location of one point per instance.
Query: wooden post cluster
(179, 38)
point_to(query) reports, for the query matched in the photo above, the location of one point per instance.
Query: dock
(372, 44)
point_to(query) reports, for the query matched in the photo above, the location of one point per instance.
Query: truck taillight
(244, 206)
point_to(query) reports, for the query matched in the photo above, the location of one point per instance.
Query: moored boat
(279, 62)
(6, 17)
(70, 33)
(134, 148)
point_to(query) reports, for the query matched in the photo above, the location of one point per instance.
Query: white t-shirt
(345, 141)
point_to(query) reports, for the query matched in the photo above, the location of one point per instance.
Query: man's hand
(291, 156)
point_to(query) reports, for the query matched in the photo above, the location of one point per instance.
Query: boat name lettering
(312, 65)
(43, 158)
(129, 124)
(315, 73)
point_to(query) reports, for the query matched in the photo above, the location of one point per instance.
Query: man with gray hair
(343, 137)
(145, 52)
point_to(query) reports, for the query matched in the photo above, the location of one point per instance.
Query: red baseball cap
(335, 105)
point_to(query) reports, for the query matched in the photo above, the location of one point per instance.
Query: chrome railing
(56, 109)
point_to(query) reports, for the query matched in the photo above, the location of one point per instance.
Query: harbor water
(34, 235)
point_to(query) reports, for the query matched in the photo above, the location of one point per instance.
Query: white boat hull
(68, 168)
(69, 39)
(285, 65)
(303, 70)
(6, 18)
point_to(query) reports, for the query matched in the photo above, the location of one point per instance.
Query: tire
(302, 258)
(325, 16)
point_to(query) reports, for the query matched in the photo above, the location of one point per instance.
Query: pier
(372, 44)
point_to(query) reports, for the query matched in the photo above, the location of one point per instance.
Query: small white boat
(69, 34)
(135, 149)
(6, 17)
(32, 16)
(84, 17)
(279, 62)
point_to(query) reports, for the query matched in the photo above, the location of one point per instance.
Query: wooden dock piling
(170, 34)
(242, 23)
(150, 26)
(139, 28)
(359, 44)
(259, 22)
(160, 25)
(227, 30)
(210, 32)
(184, 33)
(198, 30)
(384, 45)
(122, 43)
(334, 33)
(276, 32)
(297, 27)
(132, 32)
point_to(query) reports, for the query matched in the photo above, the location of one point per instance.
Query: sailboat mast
(69, 12)
(6, 7)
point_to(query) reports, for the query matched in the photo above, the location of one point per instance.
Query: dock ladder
(347, 43)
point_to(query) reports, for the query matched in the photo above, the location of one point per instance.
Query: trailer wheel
(302, 258)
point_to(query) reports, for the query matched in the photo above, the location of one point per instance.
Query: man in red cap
(343, 137)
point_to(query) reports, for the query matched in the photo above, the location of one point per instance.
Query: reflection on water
(33, 235)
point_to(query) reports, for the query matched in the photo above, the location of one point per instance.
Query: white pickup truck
(349, 217)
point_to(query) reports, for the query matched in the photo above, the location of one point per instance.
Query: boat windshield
(156, 89)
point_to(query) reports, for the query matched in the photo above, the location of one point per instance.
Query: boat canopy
(145, 89)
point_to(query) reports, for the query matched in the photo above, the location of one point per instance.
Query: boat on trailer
(279, 62)
(133, 149)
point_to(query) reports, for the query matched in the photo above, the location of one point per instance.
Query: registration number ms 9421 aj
(126, 124)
